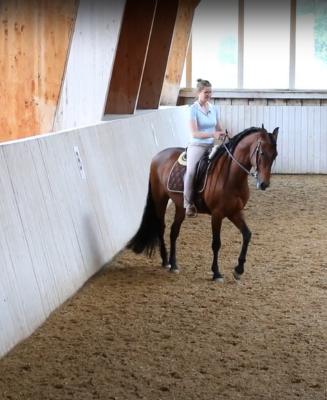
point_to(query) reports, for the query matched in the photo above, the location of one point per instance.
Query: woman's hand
(221, 135)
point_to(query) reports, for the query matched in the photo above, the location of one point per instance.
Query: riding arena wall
(70, 201)
(79, 122)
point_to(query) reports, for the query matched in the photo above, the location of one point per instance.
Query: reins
(256, 151)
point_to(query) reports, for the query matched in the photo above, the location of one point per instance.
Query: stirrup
(195, 214)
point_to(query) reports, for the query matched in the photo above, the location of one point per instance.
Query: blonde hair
(201, 84)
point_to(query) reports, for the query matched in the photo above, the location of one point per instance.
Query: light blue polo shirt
(206, 122)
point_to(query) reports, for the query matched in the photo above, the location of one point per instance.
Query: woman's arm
(218, 126)
(203, 135)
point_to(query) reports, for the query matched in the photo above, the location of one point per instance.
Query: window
(282, 46)
(214, 43)
(311, 44)
(266, 44)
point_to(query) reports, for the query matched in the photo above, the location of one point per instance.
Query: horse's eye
(262, 153)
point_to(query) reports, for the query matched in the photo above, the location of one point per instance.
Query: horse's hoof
(237, 276)
(174, 270)
(167, 266)
(220, 279)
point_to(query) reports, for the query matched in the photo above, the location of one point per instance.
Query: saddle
(175, 182)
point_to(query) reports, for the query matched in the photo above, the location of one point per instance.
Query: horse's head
(252, 148)
(263, 154)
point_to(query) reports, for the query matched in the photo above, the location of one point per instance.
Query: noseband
(256, 152)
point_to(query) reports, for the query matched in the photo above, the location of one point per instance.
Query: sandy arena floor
(138, 332)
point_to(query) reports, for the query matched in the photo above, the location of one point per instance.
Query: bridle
(257, 150)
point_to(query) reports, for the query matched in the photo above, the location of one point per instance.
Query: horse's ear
(275, 133)
(263, 127)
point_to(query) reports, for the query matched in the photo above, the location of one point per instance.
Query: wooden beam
(259, 94)
(189, 63)
(292, 45)
(130, 57)
(178, 52)
(240, 66)
(158, 53)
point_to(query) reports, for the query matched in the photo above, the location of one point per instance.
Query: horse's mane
(232, 143)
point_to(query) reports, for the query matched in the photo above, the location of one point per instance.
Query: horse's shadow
(140, 273)
(136, 272)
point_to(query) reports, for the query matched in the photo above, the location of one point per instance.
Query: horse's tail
(146, 238)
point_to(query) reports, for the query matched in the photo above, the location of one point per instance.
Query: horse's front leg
(216, 243)
(238, 220)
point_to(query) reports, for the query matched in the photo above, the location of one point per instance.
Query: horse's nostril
(263, 185)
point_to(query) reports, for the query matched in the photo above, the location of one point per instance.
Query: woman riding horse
(225, 195)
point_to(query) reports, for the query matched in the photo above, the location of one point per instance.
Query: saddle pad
(176, 178)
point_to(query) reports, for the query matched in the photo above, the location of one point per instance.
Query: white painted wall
(90, 61)
(58, 229)
(302, 140)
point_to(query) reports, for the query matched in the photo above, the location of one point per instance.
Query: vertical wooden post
(292, 46)
(240, 63)
(189, 63)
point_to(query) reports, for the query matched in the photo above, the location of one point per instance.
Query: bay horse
(224, 194)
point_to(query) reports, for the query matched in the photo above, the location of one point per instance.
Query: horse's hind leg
(163, 250)
(239, 221)
(161, 207)
(174, 233)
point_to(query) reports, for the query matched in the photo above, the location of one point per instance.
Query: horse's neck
(243, 157)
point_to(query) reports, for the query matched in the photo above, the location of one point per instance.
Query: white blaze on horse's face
(265, 154)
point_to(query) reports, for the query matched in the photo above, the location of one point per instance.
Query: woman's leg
(194, 153)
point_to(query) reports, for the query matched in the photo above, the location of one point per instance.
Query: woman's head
(204, 89)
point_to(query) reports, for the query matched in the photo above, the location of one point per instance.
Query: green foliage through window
(228, 51)
(319, 9)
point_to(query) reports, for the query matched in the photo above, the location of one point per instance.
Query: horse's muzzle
(262, 185)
